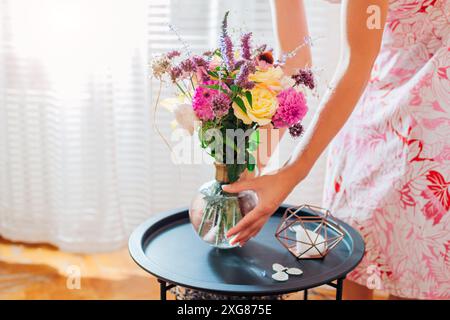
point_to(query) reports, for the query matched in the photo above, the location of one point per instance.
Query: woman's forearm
(360, 49)
(335, 109)
(291, 29)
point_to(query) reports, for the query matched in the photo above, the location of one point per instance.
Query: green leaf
(255, 136)
(241, 104)
(214, 86)
(205, 141)
(234, 171)
(253, 142)
(252, 146)
(251, 164)
(213, 74)
(249, 97)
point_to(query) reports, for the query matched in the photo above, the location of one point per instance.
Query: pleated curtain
(81, 164)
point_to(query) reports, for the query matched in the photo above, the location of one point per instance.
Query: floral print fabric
(389, 167)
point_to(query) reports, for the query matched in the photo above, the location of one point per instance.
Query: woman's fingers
(242, 237)
(248, 227)
(239, 186)
(247, 222)
(245, 236)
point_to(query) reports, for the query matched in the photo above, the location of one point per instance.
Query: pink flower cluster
(201, 102)
(291, 110)
(210, 103)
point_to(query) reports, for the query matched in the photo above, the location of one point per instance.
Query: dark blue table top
(167, 247)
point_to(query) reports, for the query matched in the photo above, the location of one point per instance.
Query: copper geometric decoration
(309, 232)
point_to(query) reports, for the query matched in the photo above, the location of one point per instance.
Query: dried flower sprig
(246, 46)
(243, 75)
(226, 45)
(160, 66)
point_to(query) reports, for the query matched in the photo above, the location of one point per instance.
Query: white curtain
(80, 163)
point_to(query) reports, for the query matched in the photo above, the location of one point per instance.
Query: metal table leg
(339, 288)
(162, 290)
(305, 294)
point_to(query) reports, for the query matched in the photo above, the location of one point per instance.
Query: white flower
(185, 117)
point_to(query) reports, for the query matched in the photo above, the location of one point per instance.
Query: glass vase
(213, 212)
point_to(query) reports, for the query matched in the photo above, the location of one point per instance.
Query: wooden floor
(43, 272)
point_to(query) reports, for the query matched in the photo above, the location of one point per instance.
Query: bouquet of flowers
(230, 93)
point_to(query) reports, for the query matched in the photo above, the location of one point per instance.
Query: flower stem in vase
(206, 215)
(216, 211)
(219, 225)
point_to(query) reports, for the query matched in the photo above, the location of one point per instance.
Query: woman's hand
(272, 189)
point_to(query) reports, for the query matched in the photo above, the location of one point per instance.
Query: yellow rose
(271, 78)
(264, 106)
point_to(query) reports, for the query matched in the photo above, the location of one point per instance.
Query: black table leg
(162, 290)
(305, 294)
(339, 288)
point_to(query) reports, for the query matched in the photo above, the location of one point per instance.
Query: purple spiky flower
(239, 64)
(245, 46)
(225, 24)
(242, 77)
(226, 45)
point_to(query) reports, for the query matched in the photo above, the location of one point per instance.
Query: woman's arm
(291, 28)
(360, 47)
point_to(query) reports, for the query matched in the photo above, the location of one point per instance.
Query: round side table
(167, 247)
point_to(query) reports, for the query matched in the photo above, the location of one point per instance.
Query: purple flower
(261, 48)
(296, 130)
(200, 62)
(239, 64)
(208, 54)
(292, 108)
(226, 48)
(175, 73)
(188, 66)
(245, 46)
(173, 54)
(304, 77)
(225, 24)
(226, 45)
(220, 104)
(242, 77)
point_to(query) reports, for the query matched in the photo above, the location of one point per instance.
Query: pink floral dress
(389, 167)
